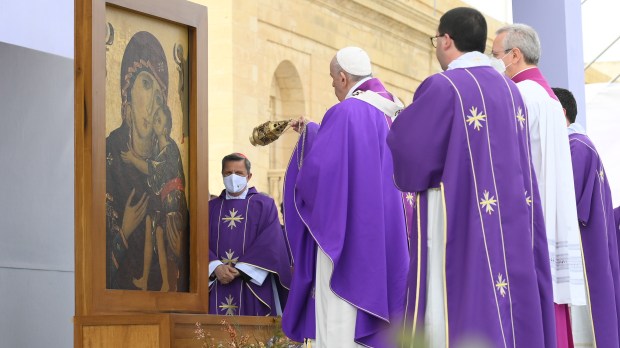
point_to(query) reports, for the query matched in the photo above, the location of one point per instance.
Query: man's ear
(343, 77)
(517, 54)
(447, 43)
(249, 176)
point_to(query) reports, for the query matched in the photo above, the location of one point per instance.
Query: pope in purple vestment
(339, 200)
(470, 126)
(598, 229)
(245, 234)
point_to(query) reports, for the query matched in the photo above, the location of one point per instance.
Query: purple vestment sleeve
(345, 197)
(266, 250)
(416, 305)
(293, 226)
(298, 321)
(429, 163)
(585, 179)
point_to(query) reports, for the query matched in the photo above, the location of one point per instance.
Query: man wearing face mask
(518, 47)
(480, 265)
(249, 268)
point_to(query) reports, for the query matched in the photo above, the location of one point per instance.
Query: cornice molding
(391, 17)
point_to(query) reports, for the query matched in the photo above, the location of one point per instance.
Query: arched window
(286, 100)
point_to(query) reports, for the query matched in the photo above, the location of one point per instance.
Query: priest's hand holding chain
(299, 124)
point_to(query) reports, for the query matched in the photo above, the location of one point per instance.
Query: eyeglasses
(434, 39)
(496, 54)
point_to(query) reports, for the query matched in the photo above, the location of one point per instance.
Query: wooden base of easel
(163, 330)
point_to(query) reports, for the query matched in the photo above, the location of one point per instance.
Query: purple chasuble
(339, 196)
(375, 85)
(248, 231)
(617, 216)
(599, 239)
(408, 197)
(466, 133)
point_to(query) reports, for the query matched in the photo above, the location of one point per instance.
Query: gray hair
(355, 78)
(524, 38)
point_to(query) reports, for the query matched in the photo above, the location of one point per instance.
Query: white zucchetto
(354, 60)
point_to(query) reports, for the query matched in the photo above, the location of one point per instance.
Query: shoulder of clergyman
(340, 111)
(443, 81)
(582, 142)
(439, 84)
(532, 92)
(215, 202)
(261, 199)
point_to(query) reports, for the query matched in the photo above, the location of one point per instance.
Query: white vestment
(434, 318)
(551, 158)
(335, 318)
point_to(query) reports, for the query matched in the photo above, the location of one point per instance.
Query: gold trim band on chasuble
(418, 276)
(332, 261)
(585, 275)
(245, 225)
(267, 270)
(478, 207)
(219, 220)
(524, 120)
(244, 236)
(445, 265)
(295, 153)
(259, 298)
(583, 259)
(499, 210)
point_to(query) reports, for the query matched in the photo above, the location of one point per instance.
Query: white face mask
(499, 65)
(235, 183)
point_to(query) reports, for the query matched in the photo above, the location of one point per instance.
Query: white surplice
(551, 158)
(335, 318)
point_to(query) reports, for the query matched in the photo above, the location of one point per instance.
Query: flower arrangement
(239, 340)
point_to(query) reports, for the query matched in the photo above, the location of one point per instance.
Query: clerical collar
(576, 128)
(470, 60)
(359, 83)
(241, 196)
(522, 77)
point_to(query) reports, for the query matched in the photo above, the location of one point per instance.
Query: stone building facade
(269, 60)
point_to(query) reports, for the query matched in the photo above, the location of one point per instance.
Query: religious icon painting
(140, 137)
(147, 153)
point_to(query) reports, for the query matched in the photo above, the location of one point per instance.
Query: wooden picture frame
(95, 108)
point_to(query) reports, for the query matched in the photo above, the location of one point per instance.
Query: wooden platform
(163, 330)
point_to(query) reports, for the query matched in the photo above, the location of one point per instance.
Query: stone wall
(269, 59)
